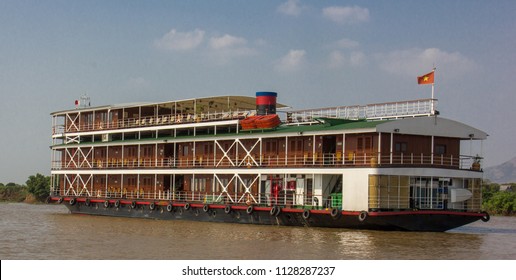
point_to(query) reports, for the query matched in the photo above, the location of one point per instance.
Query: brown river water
(50, 232)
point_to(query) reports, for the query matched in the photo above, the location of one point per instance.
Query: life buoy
(227, 209)
(72, 201)
(152, 206)
(486, 217)
(106, 203)
(362, 216)
(169, 207)
(206, 208)
(117, 203)
(249, 210)
(87, 202)
(187, 206)
(335, 212)
(60, 200)
(306, 214)
(133, 204)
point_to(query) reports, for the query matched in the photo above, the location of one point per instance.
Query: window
(400, 147)
(364, 144)
(440, 149)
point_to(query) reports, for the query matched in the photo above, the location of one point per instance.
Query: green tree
(489, 189)
(502, 203)
(39, 186)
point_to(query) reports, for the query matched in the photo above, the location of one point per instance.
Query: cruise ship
(252, 160)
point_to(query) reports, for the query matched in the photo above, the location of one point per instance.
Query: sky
(313, 53)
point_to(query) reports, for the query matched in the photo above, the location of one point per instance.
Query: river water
(50, 232)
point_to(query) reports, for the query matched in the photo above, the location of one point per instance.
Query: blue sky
(313, 53)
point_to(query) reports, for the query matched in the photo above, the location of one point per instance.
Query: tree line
(37, 188)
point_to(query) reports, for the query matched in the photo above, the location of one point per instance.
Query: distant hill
(503, 173)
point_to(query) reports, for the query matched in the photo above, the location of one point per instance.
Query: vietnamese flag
(426, 79)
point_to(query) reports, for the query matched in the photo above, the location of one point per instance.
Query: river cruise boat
(233, 159)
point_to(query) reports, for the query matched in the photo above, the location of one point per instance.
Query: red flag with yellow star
(426, 79)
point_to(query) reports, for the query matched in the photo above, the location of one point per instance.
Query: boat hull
(435, 221)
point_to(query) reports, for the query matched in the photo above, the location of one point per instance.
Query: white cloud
(292, 61)
(357, 58)
(226, 41)
(337, 59)
(340, 14)
(226, 47)
(180, 41)
(417, 61)
(291, 8)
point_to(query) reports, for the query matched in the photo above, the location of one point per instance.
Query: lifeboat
(260, 122)
(268, 121)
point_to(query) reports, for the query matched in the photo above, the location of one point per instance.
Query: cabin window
(270, 147)
(364, 143)
(440, 149)
(400, 147)
(185, 150)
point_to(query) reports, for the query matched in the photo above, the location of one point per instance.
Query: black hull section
(437, 221)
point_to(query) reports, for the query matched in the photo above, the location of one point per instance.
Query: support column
(390, 149)
(432, 151)
(379, 148)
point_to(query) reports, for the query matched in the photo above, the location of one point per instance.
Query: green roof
(328, 126)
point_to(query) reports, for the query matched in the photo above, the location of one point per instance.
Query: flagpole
(433, 101)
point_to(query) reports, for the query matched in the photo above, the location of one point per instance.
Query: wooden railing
(272, 161)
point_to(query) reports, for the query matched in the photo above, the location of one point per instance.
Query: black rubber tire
(486, 217)
(169, 207)
(306, 214)
(362, 216)
(133, 204)
(106, 203)
(335, 213)
(72, 201)
(227, 209)
(187, 206)
(152, 206)
(206, 208)
(249, 210)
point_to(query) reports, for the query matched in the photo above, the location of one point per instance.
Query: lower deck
(367, 189)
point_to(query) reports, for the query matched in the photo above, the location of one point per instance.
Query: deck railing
(284, 198)
(411, 108)
(273, 161)
(159, 120)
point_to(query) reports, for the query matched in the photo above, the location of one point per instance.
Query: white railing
(411, 108)
(154, 121)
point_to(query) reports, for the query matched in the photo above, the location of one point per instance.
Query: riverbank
(13, 193)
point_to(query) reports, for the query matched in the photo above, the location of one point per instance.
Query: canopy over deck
(194, 105)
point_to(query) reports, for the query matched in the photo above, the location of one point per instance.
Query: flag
(426, 79)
